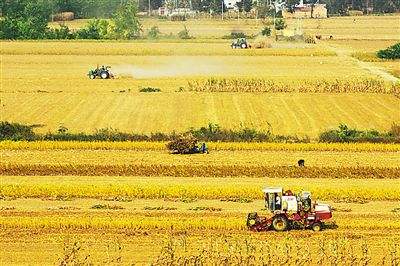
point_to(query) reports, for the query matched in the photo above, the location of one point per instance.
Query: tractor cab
(240, 43)
(276, 200)
(102, 72)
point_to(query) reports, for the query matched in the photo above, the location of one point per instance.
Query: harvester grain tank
(289, 211)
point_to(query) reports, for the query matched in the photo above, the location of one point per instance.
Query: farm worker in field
(195, 149)
(204, 148)
(277, 202)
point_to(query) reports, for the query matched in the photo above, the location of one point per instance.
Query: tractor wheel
(316, 227)
(91, 76)
(244, 46)
(104, 75)
(280, 223)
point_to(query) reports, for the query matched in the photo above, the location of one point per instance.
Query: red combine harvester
(289, 212)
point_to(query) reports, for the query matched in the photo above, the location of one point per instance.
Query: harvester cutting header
(289, 211)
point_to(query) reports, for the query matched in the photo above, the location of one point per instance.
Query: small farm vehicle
(102, 72)
(289, 212)
(240, 43)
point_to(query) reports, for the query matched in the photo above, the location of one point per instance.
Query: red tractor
(289, 212)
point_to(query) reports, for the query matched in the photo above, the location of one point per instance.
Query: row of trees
(376, 6)
(211, 132)
(106, 8)
(28, 19)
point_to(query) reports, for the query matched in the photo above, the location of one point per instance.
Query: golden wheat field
(135, 203)
(299, 85)
(301, 114)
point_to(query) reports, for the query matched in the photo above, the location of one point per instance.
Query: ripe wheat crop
(163, 221)
(364, 85)
(127, 188)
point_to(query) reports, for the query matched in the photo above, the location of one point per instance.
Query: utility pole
(149, 8)
(257, 11)
(276, 37)
(222, 9)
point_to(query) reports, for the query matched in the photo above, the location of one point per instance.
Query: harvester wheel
(104, 75)
(316, 227)
(280, 223)
(251, 219)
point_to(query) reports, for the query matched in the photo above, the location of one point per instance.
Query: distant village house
(307, 11)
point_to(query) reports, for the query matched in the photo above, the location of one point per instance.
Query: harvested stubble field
(366, 46)
(301, 114)
(67, 73)
(315, 68)
(161, 48)
(332, 90)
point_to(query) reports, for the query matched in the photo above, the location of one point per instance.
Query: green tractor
(240, 43)
(102, 72)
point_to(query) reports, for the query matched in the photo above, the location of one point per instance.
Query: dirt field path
(345, 54)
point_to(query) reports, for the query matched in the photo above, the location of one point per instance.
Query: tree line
(106, 8)
(28, 19)
(211, 132)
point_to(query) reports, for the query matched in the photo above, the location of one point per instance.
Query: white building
(231, 4)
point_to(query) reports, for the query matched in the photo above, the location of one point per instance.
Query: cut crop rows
(194, 170)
